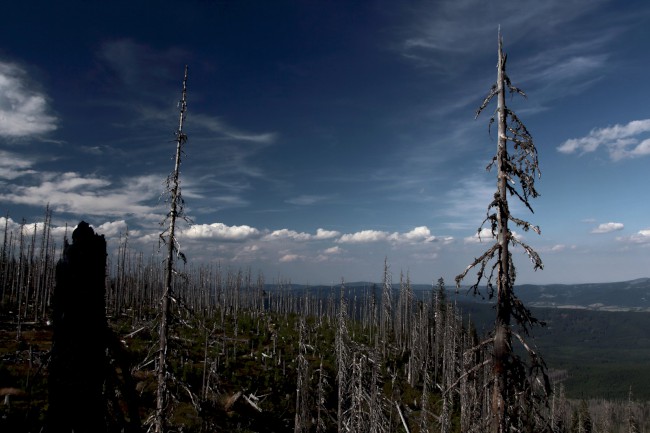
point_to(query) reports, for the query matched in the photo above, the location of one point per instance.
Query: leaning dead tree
(168, 237)
(517, 387)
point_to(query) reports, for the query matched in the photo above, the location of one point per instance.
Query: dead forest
(135, 342)
(250, 355)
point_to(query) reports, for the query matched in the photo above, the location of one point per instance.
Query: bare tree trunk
(515, 394)
(386, 307)
(165, 307)
(502, 337)
(342, 360)
(320, 400)
(302, 385)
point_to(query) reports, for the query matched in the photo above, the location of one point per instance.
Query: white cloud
(333, 250)
(443, 32)
(326, 234)
(13, 166)
(558, 248)
(287, 234)
(221, 231)
(24, 111)
(485, 235)
(608, 227)
(640, 237)
(215, 124)
(321, 234)
(290, 258)
(112, 229)
(246, 253)
(71, 181)
(88, 194)
(621, 141)
(364, 236)
(420, 234)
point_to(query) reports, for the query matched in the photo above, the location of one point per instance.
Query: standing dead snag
(79, 364)
(515, 393)
(169, 238)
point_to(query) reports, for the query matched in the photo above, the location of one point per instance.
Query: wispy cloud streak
(621, 141)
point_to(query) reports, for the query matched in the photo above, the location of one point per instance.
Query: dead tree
(169, 238)
(386, 307)
(321, 408)
(78, 365)
(516, 171)
(343, 358)
(301, 420)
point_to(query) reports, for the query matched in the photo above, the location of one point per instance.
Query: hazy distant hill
(631, 295)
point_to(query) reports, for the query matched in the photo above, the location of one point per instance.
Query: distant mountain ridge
(632, 295)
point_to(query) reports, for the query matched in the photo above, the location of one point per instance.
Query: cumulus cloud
(420, 234)
(326, 234)
(333, 250)
(483, 236)
(112, 228)
(608, 227)
(290, 258)
(109, 229)
(364, 236)
(321, 234)
(222, 232)
(640, 237)
(24, 111)
(288, 234)
(621, 141)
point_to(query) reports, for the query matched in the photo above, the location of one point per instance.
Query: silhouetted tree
(78, 365)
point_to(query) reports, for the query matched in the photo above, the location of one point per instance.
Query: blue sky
(327, 135)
